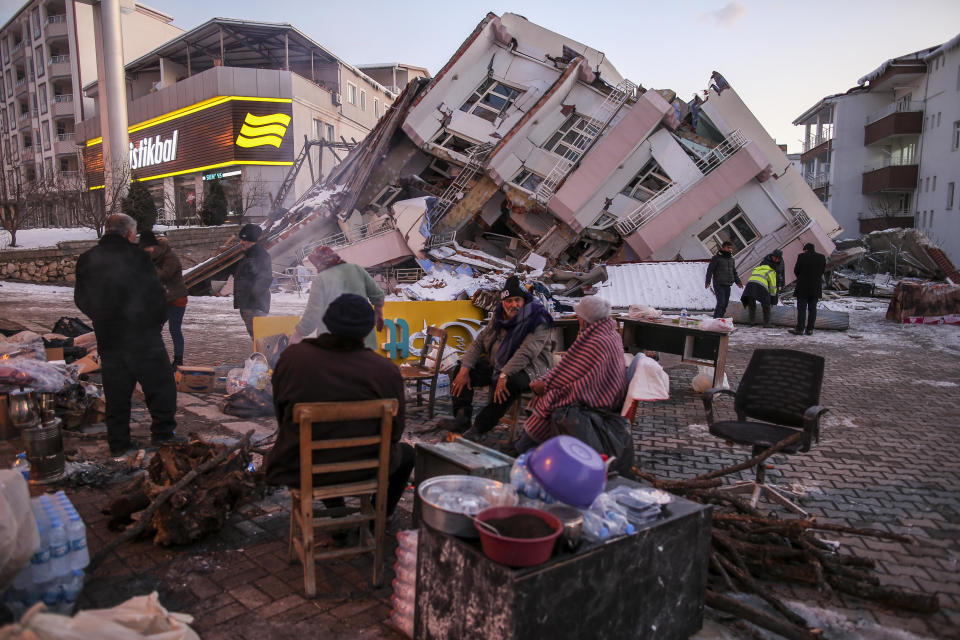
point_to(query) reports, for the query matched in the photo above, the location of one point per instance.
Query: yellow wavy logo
(261, 130)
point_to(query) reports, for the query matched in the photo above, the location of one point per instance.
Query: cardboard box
(196, 379)
(54, 353)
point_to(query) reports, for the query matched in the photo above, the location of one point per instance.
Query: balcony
(56, 27)
(17, 52)
(24, 122)
(20, 87)
(817, 180)
(62, 105)
(58, 66)
(884, 219)
(816, 146)
(890, 178)
(897, 123)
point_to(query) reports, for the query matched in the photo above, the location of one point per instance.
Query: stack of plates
(642, 504)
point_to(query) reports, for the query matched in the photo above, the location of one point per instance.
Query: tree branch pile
(750, 549)
(188, 492)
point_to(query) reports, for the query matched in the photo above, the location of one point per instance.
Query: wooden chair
(302, 513)
(422, 372)
(512, 417)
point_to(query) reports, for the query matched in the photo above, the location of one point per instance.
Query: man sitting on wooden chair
(336, 367)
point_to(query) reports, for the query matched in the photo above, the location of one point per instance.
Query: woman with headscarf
(514, 348)
(591, 373)
(335, 278)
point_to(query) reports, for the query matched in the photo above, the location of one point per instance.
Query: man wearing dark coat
(337, 367)
(118, 289)
(252, 279)
(809, 287)
(722, 274)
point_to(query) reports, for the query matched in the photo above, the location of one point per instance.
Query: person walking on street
(335, 278)
(117, 287)
(722, 273)
(761, 287)
(252, 279)
(168, 266)
(809, 287)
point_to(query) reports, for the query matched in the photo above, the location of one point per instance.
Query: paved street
(888, 458)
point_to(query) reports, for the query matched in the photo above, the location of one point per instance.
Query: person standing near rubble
(335, 278)
(722, 273)
(252, 279)
(781, 275)
(117, 287)
(762, 288)
(170, 271)
(513, 349)
(809, 287)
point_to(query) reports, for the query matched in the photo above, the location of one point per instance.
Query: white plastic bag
(18, 528)
(649, 382)
(643, 311)
(717, 324)
(704, 380)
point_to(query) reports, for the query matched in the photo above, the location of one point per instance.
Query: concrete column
(113, 104)
(169, 198)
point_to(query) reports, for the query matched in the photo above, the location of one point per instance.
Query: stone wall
(56, 265)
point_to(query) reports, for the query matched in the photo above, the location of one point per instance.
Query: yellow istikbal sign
(261, 130)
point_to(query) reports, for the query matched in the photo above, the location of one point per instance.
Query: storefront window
(185, 188)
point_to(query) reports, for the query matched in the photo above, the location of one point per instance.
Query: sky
(781, 56)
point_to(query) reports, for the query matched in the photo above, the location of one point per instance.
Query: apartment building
(48, 51)
(886, 153)
(234, 100)
(394, 75)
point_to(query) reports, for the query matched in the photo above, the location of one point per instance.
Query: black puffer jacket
(722, 270)
(809, 271)
(251, 282)
(118, 288)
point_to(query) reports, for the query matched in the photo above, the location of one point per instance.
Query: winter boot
(459, 423)
(766, 318)
(752, 315)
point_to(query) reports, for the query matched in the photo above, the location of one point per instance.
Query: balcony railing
(750, 257)
(64, 137)
(899, 212)
(58, 59)
(349, 237)
(57, 18)
(63, 97)
(890, 162)
(16, 48)
(817, 180)
(668, 195)
(69, 175)
(815, 141)
(20, 82)
(896, 107)
(23, 116)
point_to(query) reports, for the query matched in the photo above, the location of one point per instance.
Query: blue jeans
(722, 292)
(175, 318)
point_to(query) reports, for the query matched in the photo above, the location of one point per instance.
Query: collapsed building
(529, 147)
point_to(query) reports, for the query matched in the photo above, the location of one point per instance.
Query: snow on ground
(40, 238)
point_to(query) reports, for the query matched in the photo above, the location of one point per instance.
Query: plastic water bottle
(683, 317)
(59, 548)
(594, 527)
(22, 465)
(70, 591)
(40, 561)
(77, 538)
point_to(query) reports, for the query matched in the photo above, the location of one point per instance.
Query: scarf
(591, 372)
(323, 257)
(531, 316)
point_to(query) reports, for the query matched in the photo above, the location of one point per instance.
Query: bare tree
(16, 201)
(94, 203)
(255, 195)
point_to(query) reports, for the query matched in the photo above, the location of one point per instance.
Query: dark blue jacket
(251, 281)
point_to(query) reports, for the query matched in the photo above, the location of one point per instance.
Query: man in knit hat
(337, 367)
(252, 278)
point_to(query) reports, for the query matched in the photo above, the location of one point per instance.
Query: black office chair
(780, 390)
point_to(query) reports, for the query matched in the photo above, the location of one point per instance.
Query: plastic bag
(643, 311)
(648, 382)
(26, 372)
(607, 432)
(25, 344)
(18, 528)
(704, 380)
(717, 324)
(71, 327)
(249, 402)
(272, 346)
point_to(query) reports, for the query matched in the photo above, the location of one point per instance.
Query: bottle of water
(22, 465)
(70, 591)
(594, 527)
(683, 317)
(59, 548)
(77, 537)
(40, 561)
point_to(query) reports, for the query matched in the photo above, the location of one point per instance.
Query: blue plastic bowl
(569, 470)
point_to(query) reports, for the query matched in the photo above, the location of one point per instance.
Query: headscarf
(323, 257)
(531, 316)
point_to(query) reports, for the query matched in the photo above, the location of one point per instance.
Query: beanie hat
(250, 232)
(809, 247)
(778, 253)
(512, 288)
(147, 239)
(349, 315)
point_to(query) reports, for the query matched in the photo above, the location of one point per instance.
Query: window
(330, 133)
(376, 108)
(319, 129)
(951, 187)
(931, 217)
(35, 19)
(48, 163)
(43, 98)
(926, 186)
(733, 227)
(649, 181)
(527, 180)
(958, 66)
(934, 183)
(923, 219)
(45, 129)
(453, 142)
(955, 139)
(490, 100)
(39, 58)
(351, 93)
(573, 136)
(363, 101)
(939, 113)
(32, 75)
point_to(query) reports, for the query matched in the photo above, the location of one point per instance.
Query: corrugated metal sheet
(664, 285)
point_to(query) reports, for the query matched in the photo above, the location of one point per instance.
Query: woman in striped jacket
(591, 373)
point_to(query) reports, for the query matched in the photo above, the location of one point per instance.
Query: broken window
(490, 100)
(527, 180)
(573, 137)
(732, 227)
(648, 182)
(387, 195)
(453, 142)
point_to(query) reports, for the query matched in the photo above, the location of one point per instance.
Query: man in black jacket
(251, 280)
(808, 289)
(118, 288)
(722, 271)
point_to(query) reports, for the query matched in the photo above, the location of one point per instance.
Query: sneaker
(173, 438)
(123, 451)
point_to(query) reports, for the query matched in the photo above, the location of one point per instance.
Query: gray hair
(592, 309)
(120, 224)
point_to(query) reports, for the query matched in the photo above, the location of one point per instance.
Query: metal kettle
(20, 406)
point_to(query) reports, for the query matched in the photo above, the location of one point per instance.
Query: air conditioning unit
(337, 99)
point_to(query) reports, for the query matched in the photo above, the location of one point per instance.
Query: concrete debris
(529, 152)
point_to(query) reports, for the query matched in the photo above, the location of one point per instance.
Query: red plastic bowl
(518, 552)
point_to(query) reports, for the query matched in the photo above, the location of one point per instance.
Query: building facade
(234, 101)
(48, 51)
(885, 153)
